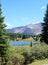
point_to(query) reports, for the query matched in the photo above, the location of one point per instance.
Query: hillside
(30, 29)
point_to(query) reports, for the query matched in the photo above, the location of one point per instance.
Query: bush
(9, 63)
(40, 52)
(26, 54)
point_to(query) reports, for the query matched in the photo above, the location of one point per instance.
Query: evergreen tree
(4, 40)
(45, 28)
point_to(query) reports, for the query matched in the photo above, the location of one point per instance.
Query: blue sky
(23, 12)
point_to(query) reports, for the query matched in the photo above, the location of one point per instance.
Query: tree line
(16, 36)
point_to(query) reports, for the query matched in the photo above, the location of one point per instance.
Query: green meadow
(40, 62)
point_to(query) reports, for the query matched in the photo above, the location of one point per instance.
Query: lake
(21, 43)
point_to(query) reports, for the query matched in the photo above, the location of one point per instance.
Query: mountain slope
(30, 29)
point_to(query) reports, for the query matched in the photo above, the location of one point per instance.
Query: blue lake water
(21, 43)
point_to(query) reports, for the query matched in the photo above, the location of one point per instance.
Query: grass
(27, 39)
(40, 62)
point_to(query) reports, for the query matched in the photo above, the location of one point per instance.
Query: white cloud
(36, 22)
(9, 25)
(43, 7)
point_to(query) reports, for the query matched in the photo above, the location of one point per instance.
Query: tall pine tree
(4, 40)
(45, 27)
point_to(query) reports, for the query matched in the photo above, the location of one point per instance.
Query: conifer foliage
(45, 27)
(4, 41)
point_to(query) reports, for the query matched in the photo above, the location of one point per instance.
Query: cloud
(9, 25)
(43, 7)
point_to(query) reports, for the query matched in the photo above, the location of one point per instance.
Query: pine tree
(45, 27)
(4, 40)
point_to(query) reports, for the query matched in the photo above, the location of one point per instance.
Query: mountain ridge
(27, 29)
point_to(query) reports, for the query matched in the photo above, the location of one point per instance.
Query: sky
(22, 12)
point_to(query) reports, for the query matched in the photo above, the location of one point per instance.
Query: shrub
(40, 52)
(26, 54)
(9, 63)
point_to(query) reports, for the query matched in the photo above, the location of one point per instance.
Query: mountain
(35, 27)
(30, 29)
